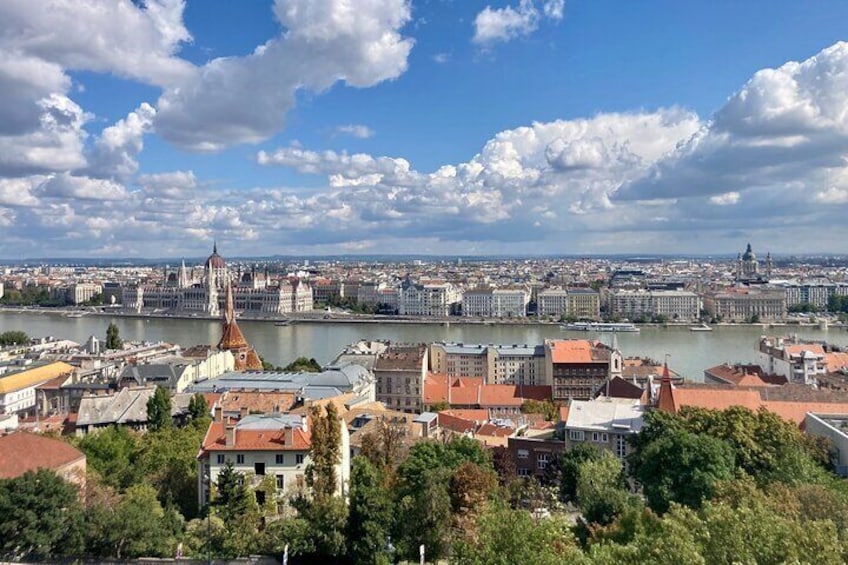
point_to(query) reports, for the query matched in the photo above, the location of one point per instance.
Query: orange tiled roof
(473, 415)
(574, 351)
(792, 350)
(264, 402)
(21, 452)
(255, 440)
(455, 423)
(836, 360)
(470, 391)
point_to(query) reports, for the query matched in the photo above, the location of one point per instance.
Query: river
(691, 352)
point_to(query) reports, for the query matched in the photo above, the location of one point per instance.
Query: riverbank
(323, 317)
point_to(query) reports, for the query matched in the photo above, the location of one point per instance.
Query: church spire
(214, 246)
(229, 312)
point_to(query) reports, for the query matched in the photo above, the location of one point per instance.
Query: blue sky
(385, 126)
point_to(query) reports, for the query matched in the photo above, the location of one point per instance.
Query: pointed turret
(665, 402)
(233, 340)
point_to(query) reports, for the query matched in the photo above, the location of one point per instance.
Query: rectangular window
(281, 482)
(240, 459)
(523, 453)
(298, 458)
(260, 497)
(575, 435)
(542, 460)
(620, 446)
(220, 459)
(523, 472)
(259, 469)
(279, 459)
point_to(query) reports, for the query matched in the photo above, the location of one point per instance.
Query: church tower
(233, 340)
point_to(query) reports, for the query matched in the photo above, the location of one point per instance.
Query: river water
(691, 352)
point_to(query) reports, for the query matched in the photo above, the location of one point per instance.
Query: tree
(198, 408)
(40, 517)
(325, 452)
(386, 447)
(680, 466)
(303, 365)
(469, 488)
(140, 526)
(159, 410)
(167, 460)
(13, 337)
(370, 514)
(569, 464)
(233, 500)
(601, 489)
(426, 513)
(112, 452)
(505, 536)
(113, 338)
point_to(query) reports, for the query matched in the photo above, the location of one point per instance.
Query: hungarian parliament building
(182, 292)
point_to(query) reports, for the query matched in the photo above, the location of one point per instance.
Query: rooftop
(21, 452)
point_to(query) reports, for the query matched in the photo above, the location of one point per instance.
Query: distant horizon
(399, 258)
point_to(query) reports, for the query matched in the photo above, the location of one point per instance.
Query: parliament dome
(215, 261)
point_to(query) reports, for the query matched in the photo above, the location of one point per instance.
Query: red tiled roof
(836, 360)
(478, 415)
(456, 423)
(21, 452)
(255, 440)
(470, 391)
(577, 351)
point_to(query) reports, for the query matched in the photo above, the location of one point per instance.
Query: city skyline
(516, 128)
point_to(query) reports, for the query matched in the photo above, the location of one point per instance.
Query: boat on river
(600, 327)
(701, 328)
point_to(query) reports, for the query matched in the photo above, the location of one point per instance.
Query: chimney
(219, 413)
(230, 434)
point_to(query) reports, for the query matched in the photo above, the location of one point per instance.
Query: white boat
(599, 327)
(75, 314)
(701, 328)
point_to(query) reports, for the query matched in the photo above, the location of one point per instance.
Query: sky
(446, 127)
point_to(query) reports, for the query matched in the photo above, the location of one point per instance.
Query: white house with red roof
(262, 445)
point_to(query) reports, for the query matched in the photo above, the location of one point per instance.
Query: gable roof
(263, 433)
(21, 452)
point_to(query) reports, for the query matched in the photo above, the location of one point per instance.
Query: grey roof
(329, 382)
(605, 415)
(270, 422)
(127, 406)
(516, 349)
(161, 374)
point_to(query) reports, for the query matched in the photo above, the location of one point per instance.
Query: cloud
(355, 130)
(115, 150)
(499, 25)
(55, 145)
(726, 199)
(832, 195)
(175, 185)
(441, 58)
(119, 36)
(245, 99)
(69, 186)
(785, 129)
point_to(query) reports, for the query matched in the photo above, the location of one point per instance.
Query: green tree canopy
(601, 491)
(325, 452)
(159, 410)
(303, 365)
(13, 337)
(40, 517)
(112, 452)
(676, 465)
(370, 514)
(198, 408)
(113, 337)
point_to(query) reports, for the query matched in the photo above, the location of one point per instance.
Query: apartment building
(495, 303)
(576, 368)
(428, 299)
(744, 304)
(672, 304)
(495, 364)
(606, 423)
(399, 372)
(580, 303)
